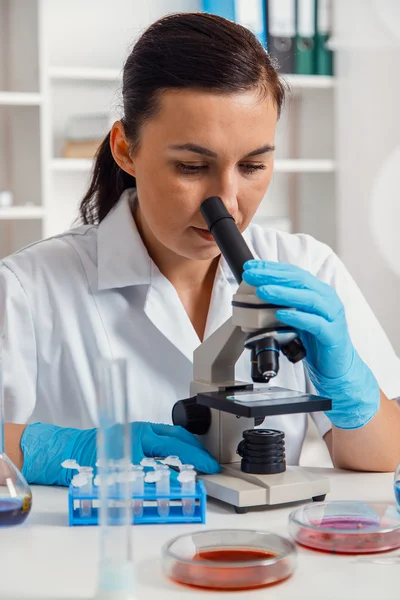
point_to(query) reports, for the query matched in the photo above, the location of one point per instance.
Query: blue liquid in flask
(15, 493)
(13, 511)
(397, 492)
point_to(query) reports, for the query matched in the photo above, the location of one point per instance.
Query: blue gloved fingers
(162, 446)
(287, 276)
(177, 432)
(45, 447)
(306, 300)
(314, 324)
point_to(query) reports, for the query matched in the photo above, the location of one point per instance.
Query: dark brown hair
(183, 50)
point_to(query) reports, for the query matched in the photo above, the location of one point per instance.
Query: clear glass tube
(116, 572)
(15, 493)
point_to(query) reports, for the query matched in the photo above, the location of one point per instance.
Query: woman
(143, 279)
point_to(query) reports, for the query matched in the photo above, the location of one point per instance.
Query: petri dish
(227, 559)
(346, 527)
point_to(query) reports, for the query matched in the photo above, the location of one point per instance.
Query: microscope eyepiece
(223, 228)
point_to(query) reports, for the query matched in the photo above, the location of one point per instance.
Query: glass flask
(15, 493)
(396, 484)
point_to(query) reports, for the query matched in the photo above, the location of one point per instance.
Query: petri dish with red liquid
(227, 559)
(342, 527)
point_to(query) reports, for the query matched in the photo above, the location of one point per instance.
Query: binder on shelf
(249, 13)
(281, 21)
(252, 14)
(324, 56)
(305, 37)
(223, 8)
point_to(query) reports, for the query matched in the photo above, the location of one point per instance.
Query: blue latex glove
(45, 447)
(334, 366)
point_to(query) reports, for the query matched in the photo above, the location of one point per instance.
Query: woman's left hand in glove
(334, 366)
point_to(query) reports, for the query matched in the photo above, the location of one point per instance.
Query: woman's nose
(228, 192)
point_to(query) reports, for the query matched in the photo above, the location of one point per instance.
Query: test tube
(116, 573)
(172, 461)
(137, 489)
(85, 506)
(163, 475)
(187, 479)
(147, 461)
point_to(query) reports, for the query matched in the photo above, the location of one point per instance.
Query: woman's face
(202, 144)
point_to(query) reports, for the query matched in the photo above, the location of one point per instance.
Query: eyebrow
(205, 152)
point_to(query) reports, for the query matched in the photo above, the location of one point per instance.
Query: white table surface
(45, 559)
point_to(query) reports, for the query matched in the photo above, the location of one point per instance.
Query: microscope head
(266, 335)
(221, 409)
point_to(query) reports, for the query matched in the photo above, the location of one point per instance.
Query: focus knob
(194, 417)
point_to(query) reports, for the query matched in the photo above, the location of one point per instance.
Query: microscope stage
(263, 401)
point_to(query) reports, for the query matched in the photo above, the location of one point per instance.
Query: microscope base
(244, 490)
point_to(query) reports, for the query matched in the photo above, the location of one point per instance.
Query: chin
(201, 253)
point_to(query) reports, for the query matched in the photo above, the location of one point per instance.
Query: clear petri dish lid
(226, 559)
(346, 527)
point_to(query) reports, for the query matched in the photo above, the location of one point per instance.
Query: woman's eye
(190, 169)
(252, 168)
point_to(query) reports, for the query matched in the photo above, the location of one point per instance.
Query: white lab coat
(94, 292)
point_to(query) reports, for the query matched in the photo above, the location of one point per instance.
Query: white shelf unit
(72, 69)
(21, 213)
(294, 165)
(20, 99)
(21, 117)
(302, 82)
(84, 74)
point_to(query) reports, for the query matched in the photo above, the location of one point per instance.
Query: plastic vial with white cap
(84, 481)
(116, 570)
(172, 461)
(148, 462)
(163, 476)
(187, 479)
(85, 507)
(137, 489)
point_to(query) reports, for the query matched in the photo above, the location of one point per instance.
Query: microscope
(227, 414)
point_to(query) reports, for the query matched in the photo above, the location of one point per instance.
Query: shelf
(295, 165)
(100, 75)
(20, 99)
(21, 212)
(72, 164)
(309, 81)
(299, 165)
(84, 74)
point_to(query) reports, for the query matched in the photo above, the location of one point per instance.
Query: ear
(120, 148)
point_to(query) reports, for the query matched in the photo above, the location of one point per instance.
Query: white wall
(101, 32)
(368, 149)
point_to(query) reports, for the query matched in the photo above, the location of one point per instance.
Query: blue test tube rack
(150, 513)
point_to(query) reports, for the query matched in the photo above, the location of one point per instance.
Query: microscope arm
(214, 360)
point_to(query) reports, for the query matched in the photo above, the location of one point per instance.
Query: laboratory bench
(45, 559)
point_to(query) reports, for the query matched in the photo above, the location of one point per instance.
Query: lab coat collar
(123, 261)
(122, 258)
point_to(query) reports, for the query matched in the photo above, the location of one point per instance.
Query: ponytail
(106, 186)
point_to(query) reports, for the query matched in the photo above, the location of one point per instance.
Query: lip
(204, 233)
